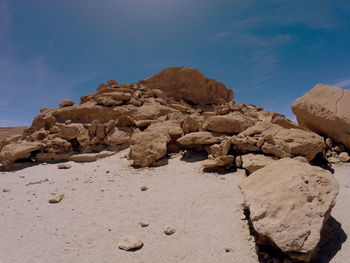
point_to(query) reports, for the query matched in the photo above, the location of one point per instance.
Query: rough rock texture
(289, 202)
(190, 85)
(253, 162)
(325, 110)
(177, 110)
(130, 243)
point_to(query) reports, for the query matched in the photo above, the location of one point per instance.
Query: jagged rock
(344, 157)
(289, 201)
(57, 145)
(116, 137)
(148, 147)
(325, 110)
(189, 85)
(244, 144)
(230, 123)
(192, 123)
(198, 138)
(253, 162)
(296, 141)
(276, 150)
(17, 151)
(66, 103)
(219, 161)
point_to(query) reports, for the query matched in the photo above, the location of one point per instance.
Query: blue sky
(269, 52)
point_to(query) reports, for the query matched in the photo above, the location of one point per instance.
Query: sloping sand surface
(103, 202)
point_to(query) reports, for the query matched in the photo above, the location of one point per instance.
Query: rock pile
(180, 110)
(176, 109)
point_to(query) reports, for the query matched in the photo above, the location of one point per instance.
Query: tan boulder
(190, 85)
(289, 201)
(231, 123)
(296, 141)
(253, 162)
(66, 103)
(219, 161)
(198, 138)
(245, 144)
(147, 147)
(170, 127)
(325, 110)
(17, 151)
(117, 137)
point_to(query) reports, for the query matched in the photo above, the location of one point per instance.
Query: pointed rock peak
(190, 85)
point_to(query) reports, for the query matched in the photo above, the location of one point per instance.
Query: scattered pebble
(169, 230)
(5, 190)
(130, 243)
(107, 172)
(227, 250)
(64, 166)
(144, 188)
(56, 199)
(37, 182)
(143, 224)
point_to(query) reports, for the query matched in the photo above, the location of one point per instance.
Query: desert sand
(103, 202)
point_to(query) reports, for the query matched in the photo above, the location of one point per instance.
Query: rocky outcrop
(189, 85)
(177, 110)
(288, 202)
(325, 110)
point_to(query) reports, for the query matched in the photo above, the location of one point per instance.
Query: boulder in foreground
(325, 110)
(289, 201)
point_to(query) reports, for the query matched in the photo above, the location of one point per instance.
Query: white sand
(99, 208)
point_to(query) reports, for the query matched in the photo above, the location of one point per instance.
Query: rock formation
(289, 202)
(325, 110)
(175, 110)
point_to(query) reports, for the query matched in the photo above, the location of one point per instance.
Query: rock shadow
(332, 238)
(192, 156)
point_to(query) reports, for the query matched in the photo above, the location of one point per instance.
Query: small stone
(107, 172)
(169, 230)
(130, 243)
(144, 188)
(339, 148)
(67, 122)
(56, 199)
(344, 157)
(329, 143)
(5, 190)
(64, 166)
(143, 224)
(227, 250)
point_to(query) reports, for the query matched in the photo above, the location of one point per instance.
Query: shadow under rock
(192, 156)
(332, 238)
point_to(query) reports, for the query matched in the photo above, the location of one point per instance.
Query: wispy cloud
(345, 83)
(222, 34)
(9, 123)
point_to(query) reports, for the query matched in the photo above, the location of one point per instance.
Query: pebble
(64, 166)
(56, 199)
(344, 157)
(227, 250)
(143, 224)
(130, 243)
(144, 188)
(5, 190)
(169, 230)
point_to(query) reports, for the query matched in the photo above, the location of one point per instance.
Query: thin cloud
(345, 83)
(223, 34)
(9, 123)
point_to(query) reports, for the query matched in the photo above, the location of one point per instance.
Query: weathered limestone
(289, 202)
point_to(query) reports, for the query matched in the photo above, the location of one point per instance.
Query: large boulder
(17, 151)
(253, 162)
(289, 201)
(325, 110)
(198, 138)
(148, 147)
(231, 123)
(190, 85)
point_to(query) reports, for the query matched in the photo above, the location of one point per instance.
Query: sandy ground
(103, 202)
